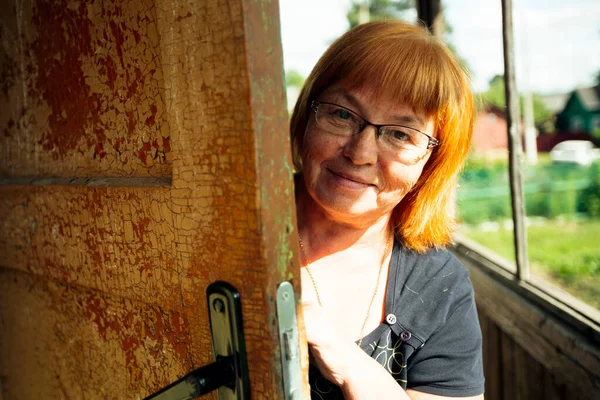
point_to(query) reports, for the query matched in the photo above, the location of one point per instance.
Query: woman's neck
(323, 234)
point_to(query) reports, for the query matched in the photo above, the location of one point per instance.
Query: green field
(566, 252)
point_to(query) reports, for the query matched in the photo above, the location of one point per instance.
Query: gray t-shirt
(430, 340)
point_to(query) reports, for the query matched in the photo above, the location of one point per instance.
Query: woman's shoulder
(430, 267)
(428, 288)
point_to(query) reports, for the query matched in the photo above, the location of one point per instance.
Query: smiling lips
(350, 181)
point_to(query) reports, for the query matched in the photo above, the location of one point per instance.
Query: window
(562, 203)
(576, 123)
(561, 199)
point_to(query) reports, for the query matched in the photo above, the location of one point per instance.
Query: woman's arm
(345, 364)
(414, 395)
(367, 379)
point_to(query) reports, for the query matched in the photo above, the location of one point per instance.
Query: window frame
(571, 311)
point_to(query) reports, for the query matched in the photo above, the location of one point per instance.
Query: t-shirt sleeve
(450, 361)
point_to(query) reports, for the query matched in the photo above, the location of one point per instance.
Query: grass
(565, 252)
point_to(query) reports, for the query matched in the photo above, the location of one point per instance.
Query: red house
(490, 137)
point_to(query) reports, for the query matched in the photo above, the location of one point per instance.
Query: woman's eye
(343, 114)
(400, 135)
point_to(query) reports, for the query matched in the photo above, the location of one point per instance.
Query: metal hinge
(288, 340)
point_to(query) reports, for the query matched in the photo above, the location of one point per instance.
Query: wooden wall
(511, 372)
(532, 349)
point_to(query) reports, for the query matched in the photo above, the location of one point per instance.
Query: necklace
(312, 279)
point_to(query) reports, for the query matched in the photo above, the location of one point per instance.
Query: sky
(557, 42)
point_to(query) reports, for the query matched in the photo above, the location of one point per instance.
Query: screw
(218, 305)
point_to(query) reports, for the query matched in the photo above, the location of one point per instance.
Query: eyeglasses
(341, 121)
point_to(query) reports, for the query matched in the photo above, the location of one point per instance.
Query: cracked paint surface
(119, 240)
(91, 345)
(82, 89)
(117, 275)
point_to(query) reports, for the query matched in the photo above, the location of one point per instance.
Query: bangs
(409, 68)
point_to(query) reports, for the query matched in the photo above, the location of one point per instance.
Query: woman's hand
(329, 352)
(346, 365)
(343, 363)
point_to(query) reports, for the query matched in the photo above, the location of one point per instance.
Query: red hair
(411, 66)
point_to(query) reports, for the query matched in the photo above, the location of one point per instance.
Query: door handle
(228, 374)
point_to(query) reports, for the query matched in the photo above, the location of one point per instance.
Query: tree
(495, 96)
(378, 10)
(294, 79)
(396, 9)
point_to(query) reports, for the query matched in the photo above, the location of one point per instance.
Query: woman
(379, 133)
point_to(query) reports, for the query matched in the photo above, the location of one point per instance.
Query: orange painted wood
(82, 90)
(113, 279)
(65, 341)
(569, 358)
(118, 240)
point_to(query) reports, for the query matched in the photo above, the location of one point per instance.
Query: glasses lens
(403, 138)
(338, 120)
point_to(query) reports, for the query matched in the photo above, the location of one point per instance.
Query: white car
(580, 152)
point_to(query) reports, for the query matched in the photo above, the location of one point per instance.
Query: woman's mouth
(350, 181)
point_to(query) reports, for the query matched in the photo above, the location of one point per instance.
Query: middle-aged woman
(379, 134)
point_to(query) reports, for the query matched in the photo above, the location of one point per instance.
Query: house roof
(555, 102)
(590, 97)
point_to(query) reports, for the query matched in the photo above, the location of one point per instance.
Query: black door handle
(200, 381)
(229, 373)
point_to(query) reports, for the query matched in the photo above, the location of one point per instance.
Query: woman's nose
(362, 148)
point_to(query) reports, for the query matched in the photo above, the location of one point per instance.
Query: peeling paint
(93, 90)
(117, 274)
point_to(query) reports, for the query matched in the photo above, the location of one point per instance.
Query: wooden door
(144, 155)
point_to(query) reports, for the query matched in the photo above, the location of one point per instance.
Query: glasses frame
(433, 142)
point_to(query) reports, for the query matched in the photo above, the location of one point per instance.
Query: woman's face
(356, 179)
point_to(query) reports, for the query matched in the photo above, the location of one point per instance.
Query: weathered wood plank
(529, 376)
(507, 372)
(493, 363)
(570, 357)
(85, 344)
(231, 160)
(118, 240)
(485, 333)
(552, 389)
(279, 242)
(82, 90)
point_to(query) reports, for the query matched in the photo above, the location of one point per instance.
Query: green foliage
(396, 9)
(478, 175)
(556, 194)
(495, 96)
(495, 93)
(294, 79)
(551, 190)
(566, 253)
(378, 10)
(480, 171)
(589, 201)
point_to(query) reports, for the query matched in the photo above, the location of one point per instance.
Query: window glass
(557, 52)
(562, 184)
(484, 196)
(558, 72)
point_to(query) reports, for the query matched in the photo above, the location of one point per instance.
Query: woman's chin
(348, 207)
